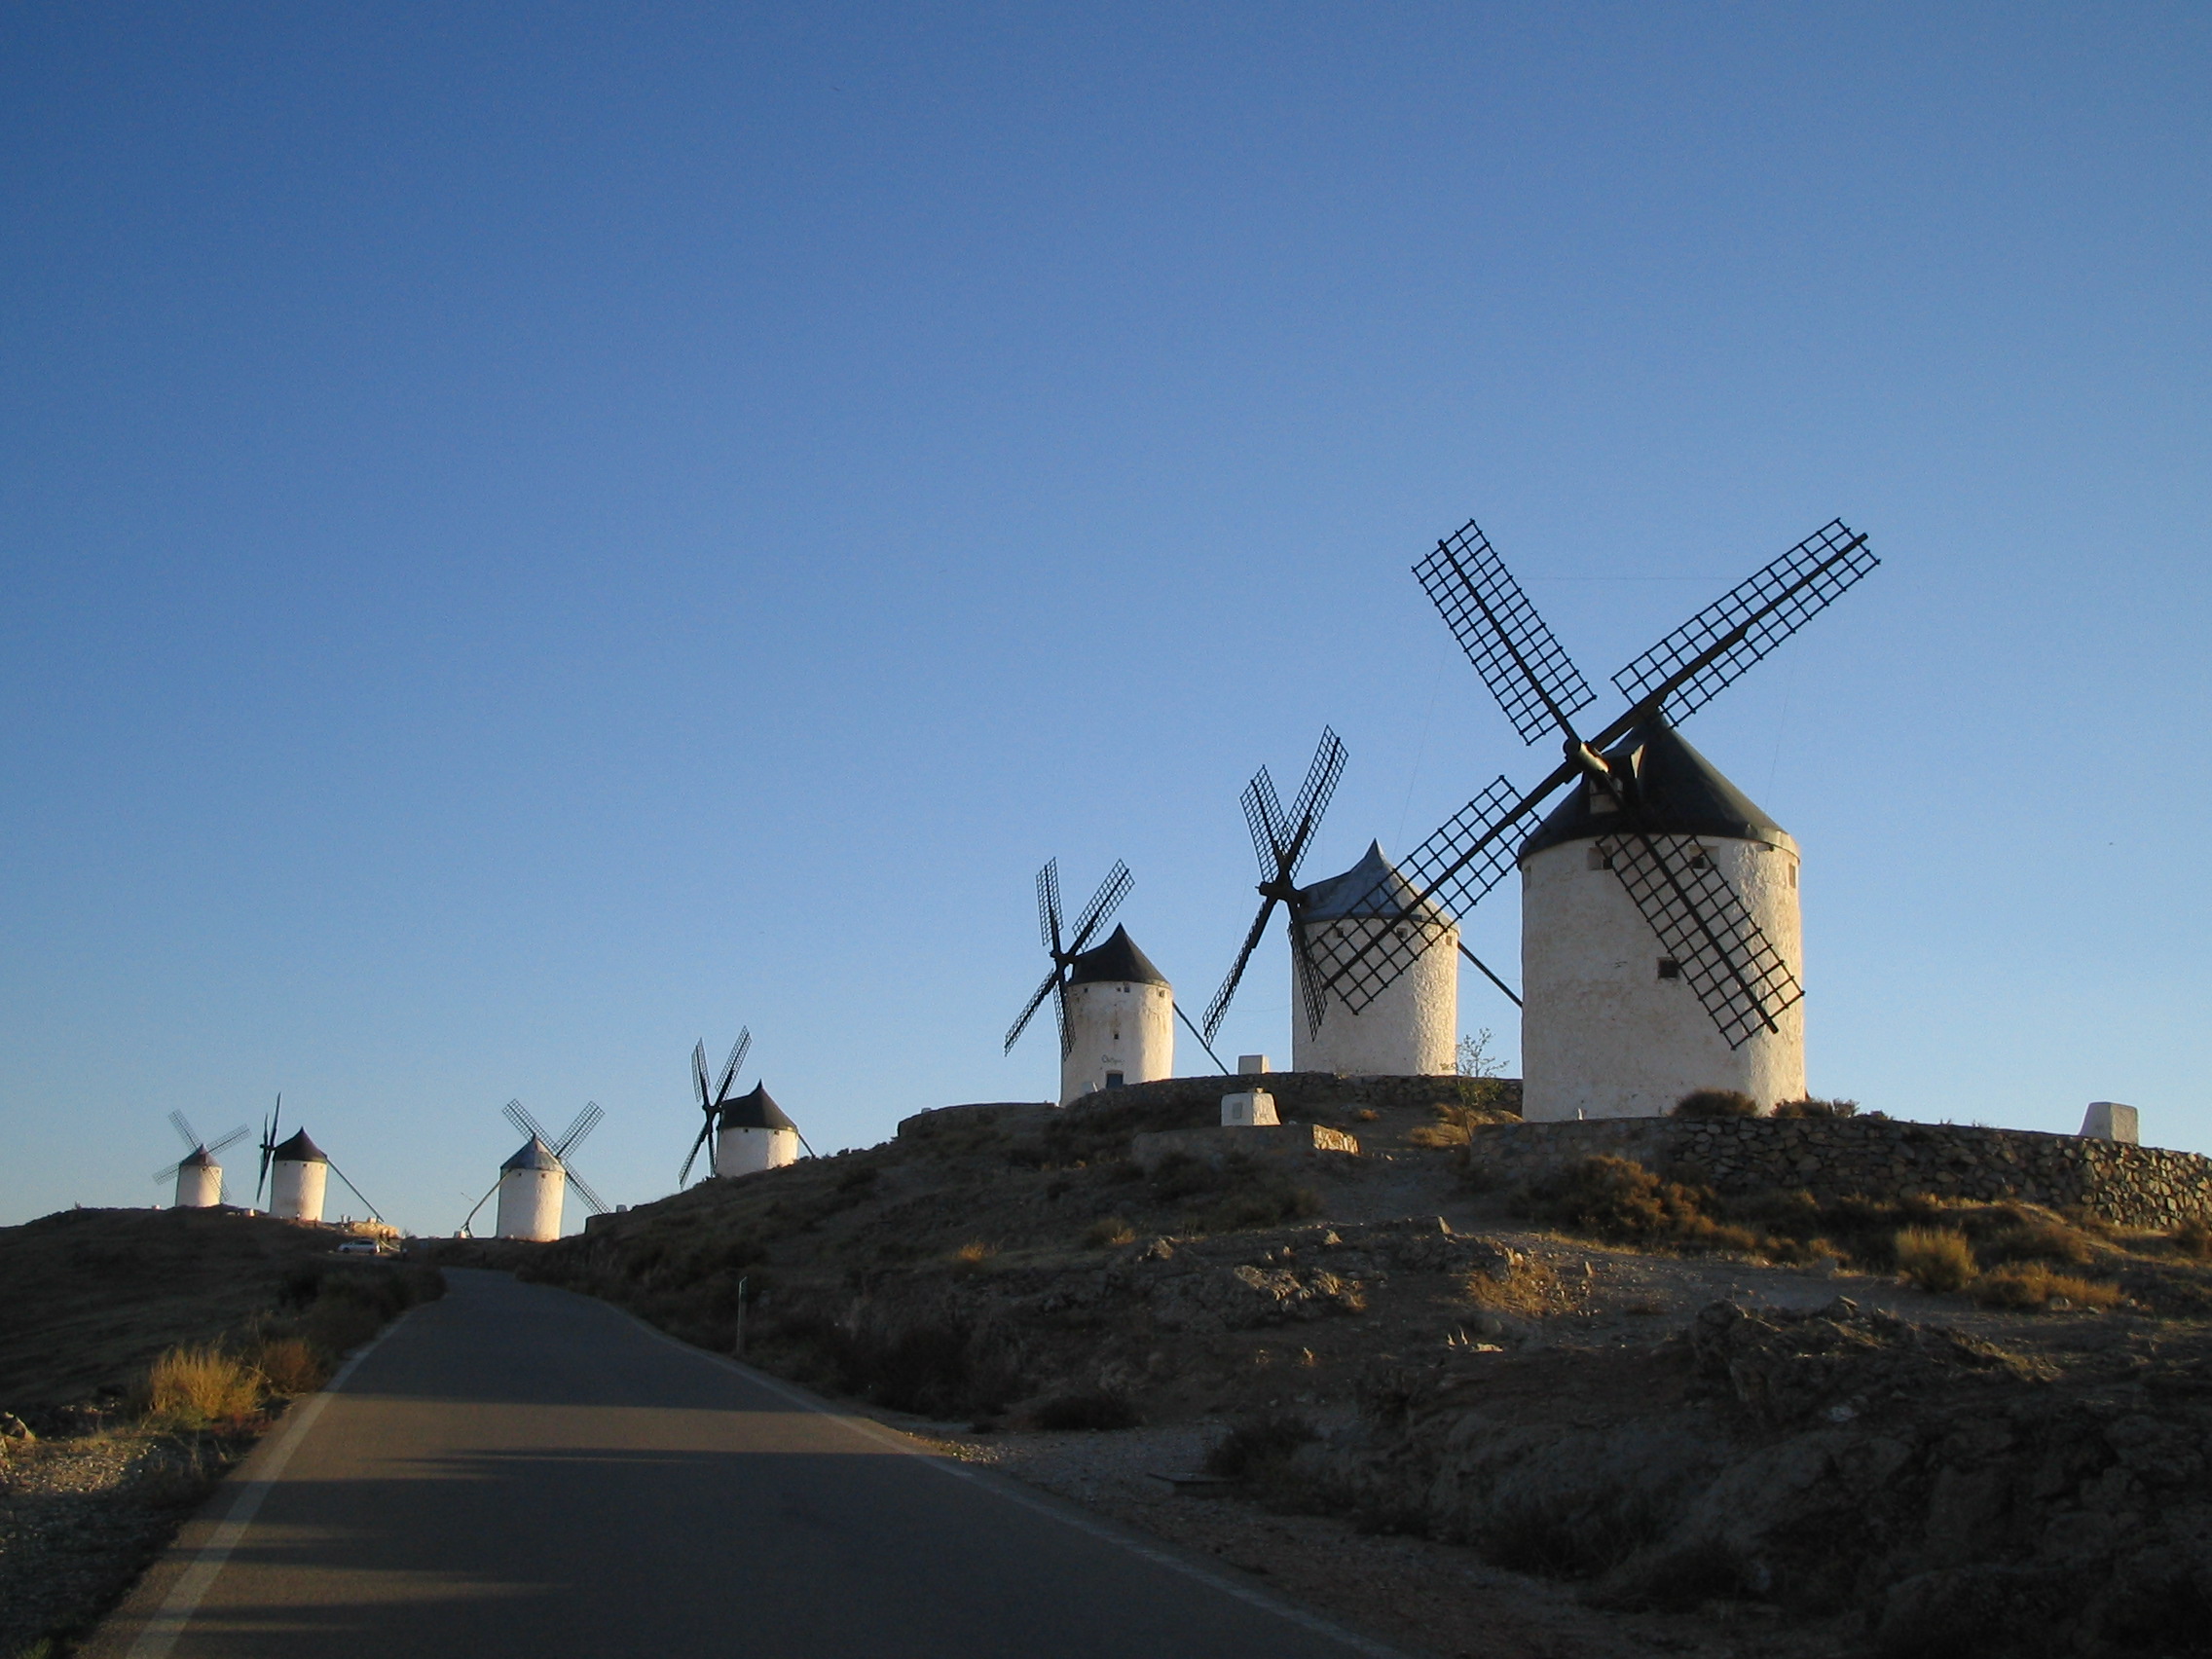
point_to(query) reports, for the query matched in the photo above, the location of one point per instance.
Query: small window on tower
(1792, 875)
(1599, 857)
(1670, 968)
(1112, 1079)
(1601, 799)
(1699, 857)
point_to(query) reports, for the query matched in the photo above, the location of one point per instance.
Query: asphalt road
(515, 1470)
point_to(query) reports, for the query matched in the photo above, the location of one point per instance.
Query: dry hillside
(1643, 1419)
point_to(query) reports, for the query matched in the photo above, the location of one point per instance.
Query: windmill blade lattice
(1512, 647)
(1721, 642)
(588, 1119)
(1718, 945)
(737, 1053)
(519, 1115)
(1065, 949)
(1282, 843)
(1443, 879)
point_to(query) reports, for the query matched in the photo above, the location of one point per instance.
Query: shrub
(1098, 1410)
(1262, 1200)
(1436, 1135)
(1616, 1197)
(970, 1256)
(290, 1366)
(2032, 1286)
(1256, 1444)
(1811, 1107)
(1179, 1175)
(2193, 1239)
(1935, 1258)
(1715, 1103)
(1109, 1229)
(201, 1387)
(2031, 1237)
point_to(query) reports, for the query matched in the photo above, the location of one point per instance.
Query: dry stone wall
(2132, 1186)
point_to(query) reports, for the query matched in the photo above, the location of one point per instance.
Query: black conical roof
(1679, 792)
(755, 1111)
(534, 1154)
(1117, 960)
(301, 1150)
(1372, 887)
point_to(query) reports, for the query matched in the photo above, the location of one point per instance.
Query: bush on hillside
(1715, 1103)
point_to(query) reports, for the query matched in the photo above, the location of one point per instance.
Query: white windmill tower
(199, 1177)
(1659, 926)
(533, 1183)
(297, 1173)
(1411, 1028)
(1116, 1010)
(753, 1133)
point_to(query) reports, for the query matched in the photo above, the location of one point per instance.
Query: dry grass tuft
(201, 1387)
(1437, 1135)
(1531, 1289)
(290, 1366)
(1935, 1258)
(2032, 1286)
(2193, 1239)
(971, 1256)
(1109, 1229)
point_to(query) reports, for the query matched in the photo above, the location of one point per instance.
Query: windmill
(199, 1177)
(1646, 807)
(712, 1101)
(533, 1183)
(1282, 843)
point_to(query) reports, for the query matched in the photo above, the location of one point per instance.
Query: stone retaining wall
(1304, 1093)
(2132, 1186)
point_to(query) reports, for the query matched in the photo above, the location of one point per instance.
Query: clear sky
(535, 534)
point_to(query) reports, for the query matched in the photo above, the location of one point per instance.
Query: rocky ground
(81, 1517)
(1714, 1430)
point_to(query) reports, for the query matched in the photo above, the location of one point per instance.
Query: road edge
(155, 1611)
(1159, 1551)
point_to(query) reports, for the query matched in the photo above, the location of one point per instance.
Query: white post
(1252, 1109)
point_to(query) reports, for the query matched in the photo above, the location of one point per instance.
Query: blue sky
(533, 535)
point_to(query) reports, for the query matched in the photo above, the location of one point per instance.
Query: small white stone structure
(1252, 1065)
(1410, 1030)
(1251, 1109)
(298, 1172)
(532, 1187)
(2106, 1120)
(198, 1181)
(754, 1135)
(1609, 1028)
(1121, 1021)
